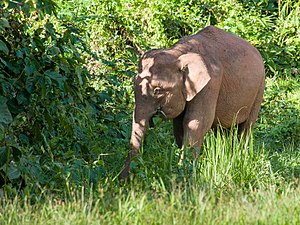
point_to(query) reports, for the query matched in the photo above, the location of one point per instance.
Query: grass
(234, 182)
(180, 206)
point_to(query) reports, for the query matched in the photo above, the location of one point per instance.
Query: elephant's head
(165, 82)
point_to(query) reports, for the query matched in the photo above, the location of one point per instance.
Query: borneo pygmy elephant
(210, 78)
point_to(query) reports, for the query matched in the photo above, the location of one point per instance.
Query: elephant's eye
(157, 91)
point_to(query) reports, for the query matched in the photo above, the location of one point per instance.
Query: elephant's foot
(126, 170)
(125, 173)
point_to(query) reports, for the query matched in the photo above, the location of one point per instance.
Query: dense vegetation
(66, 99)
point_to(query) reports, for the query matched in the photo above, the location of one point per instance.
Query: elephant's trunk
(139, 126)
(138, 132)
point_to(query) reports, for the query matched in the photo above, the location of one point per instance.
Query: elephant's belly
(226, 119)
(232, 112)
(235, 102)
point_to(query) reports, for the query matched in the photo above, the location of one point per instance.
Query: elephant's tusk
(160, 111)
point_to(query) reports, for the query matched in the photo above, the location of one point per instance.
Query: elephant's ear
(195, 74)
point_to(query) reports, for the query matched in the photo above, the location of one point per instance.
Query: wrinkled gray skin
(210, 78)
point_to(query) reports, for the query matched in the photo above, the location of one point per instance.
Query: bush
(121, 30)
(48, 108)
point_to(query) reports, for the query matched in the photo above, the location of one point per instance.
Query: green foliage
(48, 109)
(39, 7)
(280, 123)
(119, 30)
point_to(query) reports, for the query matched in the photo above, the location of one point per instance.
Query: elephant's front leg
(195, 131)
(178, 129)
(199, 117)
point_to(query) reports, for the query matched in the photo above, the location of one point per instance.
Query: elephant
(209, 79)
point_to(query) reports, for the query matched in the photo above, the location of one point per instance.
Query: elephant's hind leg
(245, 126)
(178, 129)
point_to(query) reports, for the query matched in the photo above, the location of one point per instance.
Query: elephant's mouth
(160, 113)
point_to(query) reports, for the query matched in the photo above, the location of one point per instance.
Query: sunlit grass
(231, 183)
(234, 181)
(180, 206)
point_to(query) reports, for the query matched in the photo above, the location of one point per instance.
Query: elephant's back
(240, 69)
(227, 49)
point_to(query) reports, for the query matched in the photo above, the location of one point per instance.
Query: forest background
(66, 100)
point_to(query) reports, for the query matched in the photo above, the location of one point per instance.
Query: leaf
(3, 47)
(54, 51)
(30, 84)
(19, 53)
(3, 155)
(1, 133)
(23, 98)
(6, 4)
(57, 78)
(29, 69)
(4, 23)
(5, 115)
(13, 172)
(23, 139)
(79, 72)
(30, 63)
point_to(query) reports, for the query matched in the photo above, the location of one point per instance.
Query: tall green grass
(230, 163)
(232, 183)
(261, 207)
